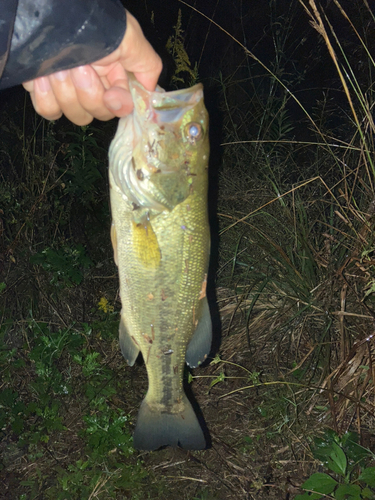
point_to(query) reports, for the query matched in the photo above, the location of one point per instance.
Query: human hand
(98, 90)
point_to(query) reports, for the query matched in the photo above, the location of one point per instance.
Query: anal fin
(129, 348)
(200, 343)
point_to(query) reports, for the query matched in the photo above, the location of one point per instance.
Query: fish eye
(193, 132)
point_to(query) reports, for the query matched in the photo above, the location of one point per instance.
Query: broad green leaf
(367, 493)
(320, 483)
(348, 492)
(349, 437)
(368, 476)
(323, 445)
(8, 397)
(17, 424)
(337, 460)
(353, 450)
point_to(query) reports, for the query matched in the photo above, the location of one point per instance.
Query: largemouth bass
(158, 165)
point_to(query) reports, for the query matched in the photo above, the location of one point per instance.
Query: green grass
(68, 401)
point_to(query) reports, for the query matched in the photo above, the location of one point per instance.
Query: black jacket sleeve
(45, 36)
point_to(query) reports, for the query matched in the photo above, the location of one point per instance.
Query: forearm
(53, 35)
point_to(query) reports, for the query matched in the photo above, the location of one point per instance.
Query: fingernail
(82, 77)
(114, 105)
(61, 75)
(43, 84)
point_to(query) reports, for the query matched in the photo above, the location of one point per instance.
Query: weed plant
(345, 459)
(68, 389)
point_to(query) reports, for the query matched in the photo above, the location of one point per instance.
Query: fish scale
(162, 254)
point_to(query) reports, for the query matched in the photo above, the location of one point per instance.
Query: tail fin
(155, 429)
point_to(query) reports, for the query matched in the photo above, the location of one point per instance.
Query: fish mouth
(161, 106)
(170, 107)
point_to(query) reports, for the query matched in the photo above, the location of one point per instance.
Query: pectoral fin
(200, 343)
(129, 348)
(146, 245)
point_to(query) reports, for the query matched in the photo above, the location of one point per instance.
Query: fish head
(160, 148)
